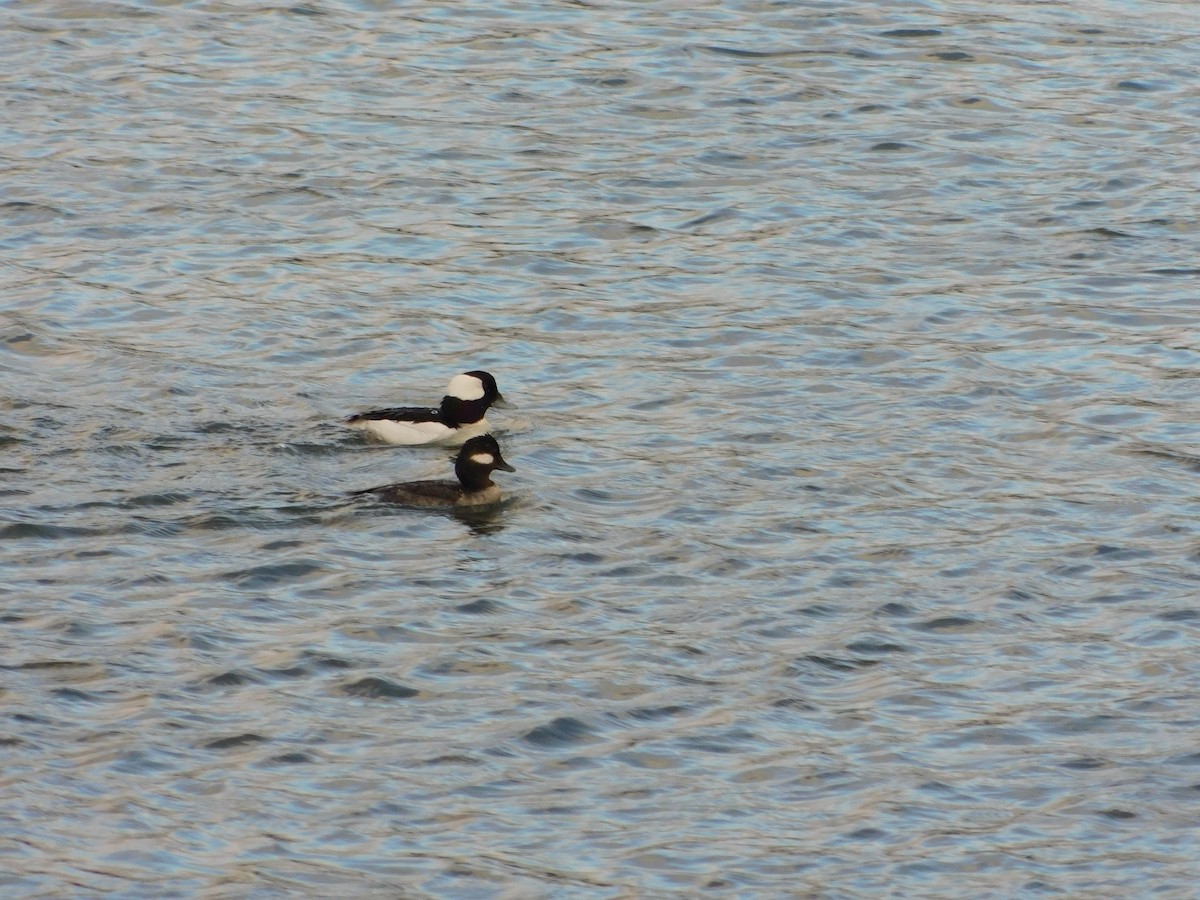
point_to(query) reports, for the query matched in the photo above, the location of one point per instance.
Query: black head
(490, 391)
(468, 397)
(478, 458)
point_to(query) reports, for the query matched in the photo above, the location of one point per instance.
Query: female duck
(459, 417)
(476, 461)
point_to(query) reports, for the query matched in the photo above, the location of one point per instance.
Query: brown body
(436, 493)
(478, 458)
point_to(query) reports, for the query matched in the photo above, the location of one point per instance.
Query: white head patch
(484, 459)
(465, 387)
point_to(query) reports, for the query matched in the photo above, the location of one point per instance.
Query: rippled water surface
(853, 545)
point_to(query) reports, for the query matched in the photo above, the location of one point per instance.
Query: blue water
(852, 549)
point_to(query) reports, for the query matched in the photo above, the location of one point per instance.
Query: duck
(476, 460)
(459, 417)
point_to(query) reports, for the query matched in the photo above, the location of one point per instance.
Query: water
(853, 546)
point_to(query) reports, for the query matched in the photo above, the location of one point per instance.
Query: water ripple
(851, 546)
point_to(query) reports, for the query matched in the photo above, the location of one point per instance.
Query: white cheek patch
(465, 387)
(484, 459)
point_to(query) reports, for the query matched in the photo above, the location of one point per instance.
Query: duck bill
(501, 464)
(501, 403)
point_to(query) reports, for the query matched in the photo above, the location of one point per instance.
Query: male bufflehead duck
(461, 415)
(476, 461)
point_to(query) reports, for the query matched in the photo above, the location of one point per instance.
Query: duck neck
(463, 412)
(471, 477)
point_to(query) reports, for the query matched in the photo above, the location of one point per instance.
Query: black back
(402, 414)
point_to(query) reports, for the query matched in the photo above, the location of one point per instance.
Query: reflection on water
(851, 547)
